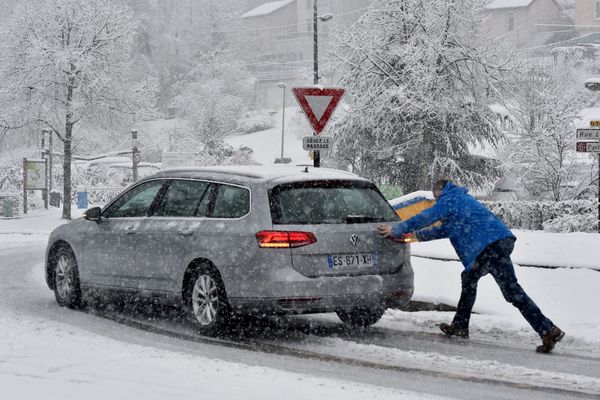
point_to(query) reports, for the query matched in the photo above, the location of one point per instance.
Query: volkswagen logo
(354, 240)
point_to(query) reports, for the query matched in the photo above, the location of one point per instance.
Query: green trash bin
(8, 204)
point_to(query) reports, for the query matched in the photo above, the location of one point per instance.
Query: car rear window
(329, 202)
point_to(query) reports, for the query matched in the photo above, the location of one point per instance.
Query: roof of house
(499, 4)
(266, 8)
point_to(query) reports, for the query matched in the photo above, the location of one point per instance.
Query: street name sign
(588, 147)
(588, 133)
(317, 143)
(318, 104)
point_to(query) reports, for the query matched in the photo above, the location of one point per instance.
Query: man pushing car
(484, 245)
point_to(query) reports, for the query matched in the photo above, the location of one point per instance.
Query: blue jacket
(469, 225)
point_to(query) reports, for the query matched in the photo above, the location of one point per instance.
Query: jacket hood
(451, 188)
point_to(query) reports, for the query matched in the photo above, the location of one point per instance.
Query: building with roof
(587, 15)
(282, 42)
(525, 23)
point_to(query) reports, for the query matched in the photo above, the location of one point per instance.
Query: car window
(329, 202)
(184, 198)
(134, 203)
(231, 202)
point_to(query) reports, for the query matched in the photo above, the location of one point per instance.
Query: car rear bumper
(291, 293)
(306, 305)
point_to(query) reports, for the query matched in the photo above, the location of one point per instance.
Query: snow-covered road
(155, 355)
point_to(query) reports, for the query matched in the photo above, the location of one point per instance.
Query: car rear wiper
(362, 219)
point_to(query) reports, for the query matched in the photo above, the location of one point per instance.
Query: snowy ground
(63, 354)
(63, 362)
(266, 145)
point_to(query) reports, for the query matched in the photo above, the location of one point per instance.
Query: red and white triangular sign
(318, 104)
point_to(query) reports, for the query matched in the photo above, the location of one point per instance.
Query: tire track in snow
(431, 364)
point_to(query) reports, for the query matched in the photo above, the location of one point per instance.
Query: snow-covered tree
(174, 36)
(545, 107)
(67, 63)
(212, 98)
(419, 82)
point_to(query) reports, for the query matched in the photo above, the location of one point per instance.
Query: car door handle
(130, 230)
(186, 233)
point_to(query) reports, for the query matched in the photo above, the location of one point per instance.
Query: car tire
(67, 289)
(360, 317)
(206, 301)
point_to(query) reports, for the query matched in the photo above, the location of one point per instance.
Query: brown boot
(453, 330)
(550, 339)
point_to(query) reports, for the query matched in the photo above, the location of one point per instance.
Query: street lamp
(593, 84)
(282, 160)
(316, 18)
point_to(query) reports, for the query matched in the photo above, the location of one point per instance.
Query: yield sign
(318, 104)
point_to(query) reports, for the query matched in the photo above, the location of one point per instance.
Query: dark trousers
(495, 260)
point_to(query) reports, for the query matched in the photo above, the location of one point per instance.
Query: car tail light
(406, 238)
(284, 239)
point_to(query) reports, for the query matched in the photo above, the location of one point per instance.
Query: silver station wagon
(225, 240)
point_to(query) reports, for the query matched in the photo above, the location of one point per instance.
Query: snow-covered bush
(553, 216)
(254, 122)
(572, 223)
(11, 175)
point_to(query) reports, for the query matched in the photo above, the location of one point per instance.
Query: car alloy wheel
(64, 276)
(66, 281)
(205, 300)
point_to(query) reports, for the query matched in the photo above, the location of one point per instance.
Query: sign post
(34, 178)
(318, 105)
(591, 147)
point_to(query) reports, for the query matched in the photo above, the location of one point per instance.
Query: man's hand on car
(385, 231)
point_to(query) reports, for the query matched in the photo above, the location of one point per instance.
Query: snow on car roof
(498, 4)
(266, 8)
(420, 194)
(260, 172)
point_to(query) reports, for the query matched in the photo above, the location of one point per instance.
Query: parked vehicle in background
(111, 171)
(223, 240)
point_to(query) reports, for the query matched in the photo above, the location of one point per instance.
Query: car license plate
(351, 260)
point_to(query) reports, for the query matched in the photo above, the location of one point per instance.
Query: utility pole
(45, 191)
(317, 154)
(593, 84)
(49, 132)
(24, 185)
(135, 155)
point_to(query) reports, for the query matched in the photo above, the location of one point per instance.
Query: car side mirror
(93, 214)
